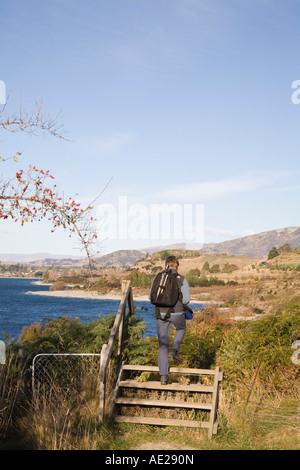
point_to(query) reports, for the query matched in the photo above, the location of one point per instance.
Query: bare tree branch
(27, 196)
(30, 123)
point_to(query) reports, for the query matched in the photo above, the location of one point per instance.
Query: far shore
(81, 294)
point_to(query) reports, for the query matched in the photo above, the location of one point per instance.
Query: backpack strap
(180, 280)
(158, 314)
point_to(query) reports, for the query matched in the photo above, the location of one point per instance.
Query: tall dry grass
(12, 392)
(63, 412)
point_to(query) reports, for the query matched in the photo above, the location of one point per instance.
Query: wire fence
(61, 378)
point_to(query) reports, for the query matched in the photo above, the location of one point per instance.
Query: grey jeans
(163, 333)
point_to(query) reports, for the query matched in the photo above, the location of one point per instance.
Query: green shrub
(286, 248)
(65, 335)
(228, 268)
(205, 266)
(140, 279)
(215, 268)
(194, 272)
(273, 253)
(294, 308)
(203, 281)
(165, 254)
(102, 284)
(285, 267)
(264, 344)
(204, 338)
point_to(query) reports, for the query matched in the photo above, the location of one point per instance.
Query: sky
(166, 104)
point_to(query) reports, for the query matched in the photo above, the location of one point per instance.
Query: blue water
(19, 309)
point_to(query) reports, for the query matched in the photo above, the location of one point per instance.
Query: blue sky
(178, 101)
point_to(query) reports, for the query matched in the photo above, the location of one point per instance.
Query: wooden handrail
(116, 332)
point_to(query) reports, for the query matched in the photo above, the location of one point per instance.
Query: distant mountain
(119, 259)
(257, 245)
(176, 246)
(35, 257)
(62, 262)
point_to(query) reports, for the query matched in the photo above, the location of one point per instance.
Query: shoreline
(77, 294)
(94, 295)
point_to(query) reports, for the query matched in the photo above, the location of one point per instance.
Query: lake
(19, 309)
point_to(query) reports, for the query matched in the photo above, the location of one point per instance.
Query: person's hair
(172, 262)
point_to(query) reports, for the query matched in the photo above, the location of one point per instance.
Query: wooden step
(173, 370)
(173, 386)
(163, 403)
(162, 421)
(180, 370)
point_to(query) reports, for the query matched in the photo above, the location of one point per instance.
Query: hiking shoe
(164, 380)
(175, 358)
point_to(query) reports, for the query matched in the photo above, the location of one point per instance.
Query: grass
(64, 416)
(58, 421)
(253, 413)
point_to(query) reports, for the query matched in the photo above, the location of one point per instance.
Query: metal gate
(68, 378)
(60, 377)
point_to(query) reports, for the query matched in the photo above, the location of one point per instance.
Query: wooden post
(214, 400)
(131, 305)
(23, 364)
(121, 332)
(107, 349)
(102, 382)
(116, 391)
(122, 311)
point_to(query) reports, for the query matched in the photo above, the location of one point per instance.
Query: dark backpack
(165, 289)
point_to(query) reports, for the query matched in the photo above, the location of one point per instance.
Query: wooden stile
(124, 382)
(107, 349)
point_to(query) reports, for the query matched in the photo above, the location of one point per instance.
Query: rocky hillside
(254, 246)
(258, 245)
(119, 259)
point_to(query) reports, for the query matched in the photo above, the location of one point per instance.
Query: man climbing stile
(169, 293)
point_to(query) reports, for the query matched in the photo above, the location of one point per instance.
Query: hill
(119, 259)
(35, 257)
(257, 245)
(252, 246)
